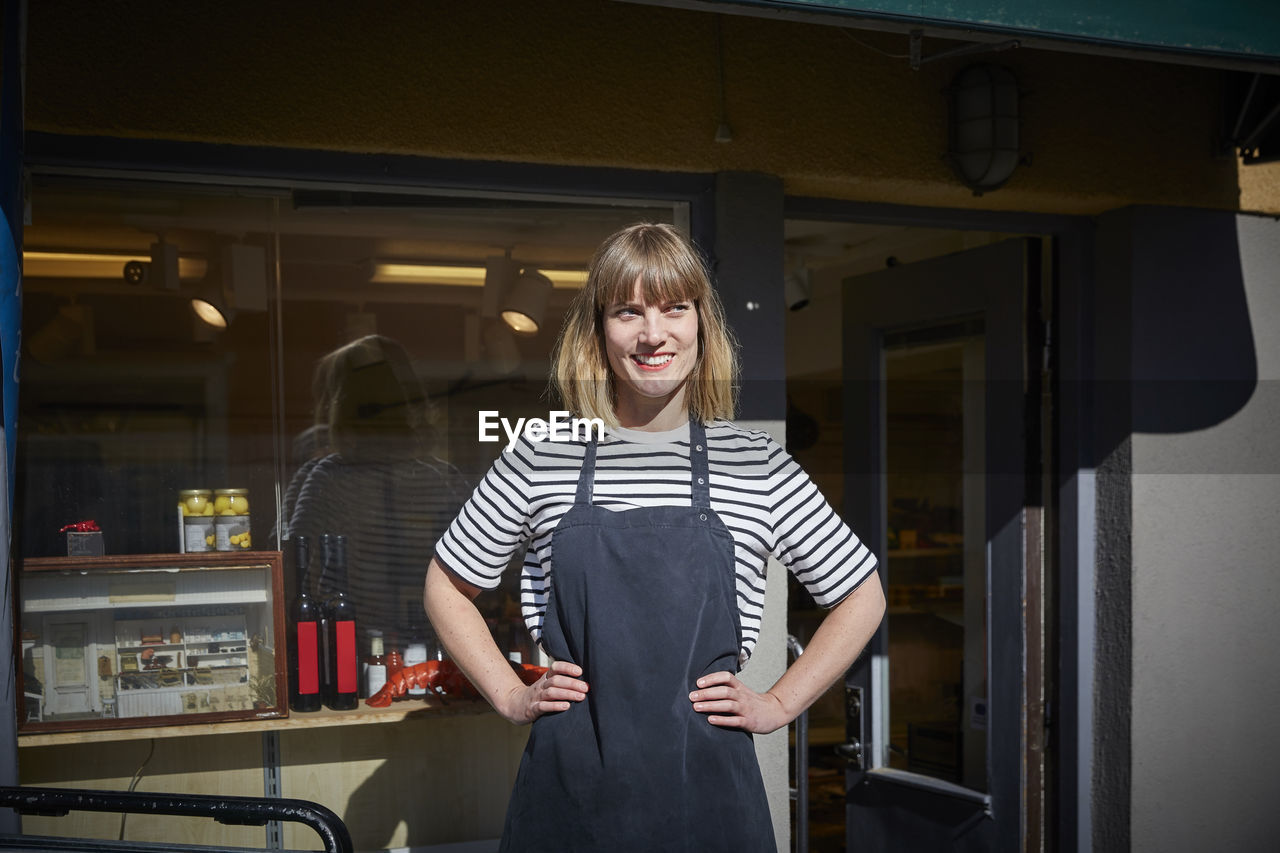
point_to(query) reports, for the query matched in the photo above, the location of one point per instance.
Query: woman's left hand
(729, 703)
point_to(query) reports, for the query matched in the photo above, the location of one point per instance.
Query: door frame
(996, 282)
(1065, 677)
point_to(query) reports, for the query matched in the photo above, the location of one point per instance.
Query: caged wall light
(983, 126)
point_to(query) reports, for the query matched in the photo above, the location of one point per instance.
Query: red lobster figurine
(439, 676)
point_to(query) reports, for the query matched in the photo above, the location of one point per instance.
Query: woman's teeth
(652, 360)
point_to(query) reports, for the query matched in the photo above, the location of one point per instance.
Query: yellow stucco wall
(604, 83)
(1260, 188)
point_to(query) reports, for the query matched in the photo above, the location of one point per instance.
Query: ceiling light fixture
(390, 272)
(41, 264)
(524, 305)
(796, 288)
(210, 304)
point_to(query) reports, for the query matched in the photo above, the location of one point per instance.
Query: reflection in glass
(372, 477)
(936, 566)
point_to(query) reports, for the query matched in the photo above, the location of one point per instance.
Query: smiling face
(652, 349)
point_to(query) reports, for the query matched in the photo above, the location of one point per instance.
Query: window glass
(337, 393)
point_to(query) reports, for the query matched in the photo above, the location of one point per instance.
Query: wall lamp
(983, 126)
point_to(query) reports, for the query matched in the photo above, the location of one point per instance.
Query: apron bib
(645, 602)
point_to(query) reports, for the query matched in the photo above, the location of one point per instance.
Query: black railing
(234, 811)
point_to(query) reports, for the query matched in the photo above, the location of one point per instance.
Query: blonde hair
(369, 396)
(669, 269)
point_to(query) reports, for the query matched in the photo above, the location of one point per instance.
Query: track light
(210, 304)
(525, 303)
(796, 289)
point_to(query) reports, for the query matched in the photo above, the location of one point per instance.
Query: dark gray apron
(645, 602)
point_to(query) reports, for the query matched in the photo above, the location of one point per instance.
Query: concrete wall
(1189, 727)
(593, 83)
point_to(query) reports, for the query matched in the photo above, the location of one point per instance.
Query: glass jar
(195, 520)
(195, 502)
(231, 519)
(414, 653)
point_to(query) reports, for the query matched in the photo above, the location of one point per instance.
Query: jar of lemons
(231, 519)
(195, 511)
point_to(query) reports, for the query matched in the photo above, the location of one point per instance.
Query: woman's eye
(678, 308)
(625, 311)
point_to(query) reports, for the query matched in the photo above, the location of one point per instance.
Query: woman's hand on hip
(729, 703)
(554, 691)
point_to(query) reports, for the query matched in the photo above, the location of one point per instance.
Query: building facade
(1046, 402)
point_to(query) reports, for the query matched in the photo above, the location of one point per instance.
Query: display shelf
(416, 709)
(152, 639)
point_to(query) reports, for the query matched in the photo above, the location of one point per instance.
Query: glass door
(935, 450)
(935, 567)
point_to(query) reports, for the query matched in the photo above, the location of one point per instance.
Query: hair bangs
(665, 275)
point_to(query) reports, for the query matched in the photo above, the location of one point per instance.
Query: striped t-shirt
(769, 505)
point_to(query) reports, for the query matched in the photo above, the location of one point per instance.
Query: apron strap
(701, 482)
(587, 476)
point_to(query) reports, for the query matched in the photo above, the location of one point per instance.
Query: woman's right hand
(554, 691)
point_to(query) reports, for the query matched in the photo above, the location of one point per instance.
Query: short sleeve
(811, 539)
(491, 527)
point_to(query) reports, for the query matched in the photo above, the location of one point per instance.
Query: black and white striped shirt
(769, 505)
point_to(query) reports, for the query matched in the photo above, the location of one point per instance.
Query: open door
(934, 367)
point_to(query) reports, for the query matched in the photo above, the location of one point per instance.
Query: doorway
(67, 655)
(907, 389)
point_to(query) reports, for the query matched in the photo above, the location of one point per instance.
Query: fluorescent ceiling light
(397, 273)
(96, 264)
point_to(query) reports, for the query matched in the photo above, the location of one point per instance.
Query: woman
(644, 576)
(377, 483)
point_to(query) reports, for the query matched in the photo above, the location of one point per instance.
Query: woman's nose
(653, 331)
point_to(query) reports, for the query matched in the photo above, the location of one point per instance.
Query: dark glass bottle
(324, 592)
(304, 636)
(344, 662)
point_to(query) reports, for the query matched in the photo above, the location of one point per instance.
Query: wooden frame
(161, 639)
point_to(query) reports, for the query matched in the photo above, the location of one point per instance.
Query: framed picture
(151, 640)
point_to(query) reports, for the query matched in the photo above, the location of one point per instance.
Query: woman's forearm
(465, 636)
(839, 640)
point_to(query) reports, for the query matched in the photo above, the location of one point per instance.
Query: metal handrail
(233, 811)
(800, 793)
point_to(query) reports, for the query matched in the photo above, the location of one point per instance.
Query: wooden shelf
(414, 709)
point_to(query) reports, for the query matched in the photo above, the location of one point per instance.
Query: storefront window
(361, 335)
